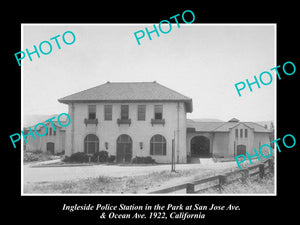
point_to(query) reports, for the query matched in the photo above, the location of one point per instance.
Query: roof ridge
(171, 89)
(220, 125)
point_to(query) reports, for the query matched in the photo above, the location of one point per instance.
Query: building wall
(221, 145)
(139, 131)
(40, 143)
(259, 140)
(235, 141)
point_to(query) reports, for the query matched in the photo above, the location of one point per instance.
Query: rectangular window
(91, 112)
(141, 112)
(124, 112)
(54, 132)
(158, 112)
(236, 133)
(241, 133)
(107, 112)
(246, 133)
(50, 131)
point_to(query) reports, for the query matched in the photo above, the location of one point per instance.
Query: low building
(224, 139)
(53, 142)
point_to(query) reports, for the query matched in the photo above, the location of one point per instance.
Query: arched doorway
(124, 149)
(50, 147)
(91, 144)
(200, 146)
(241, 150)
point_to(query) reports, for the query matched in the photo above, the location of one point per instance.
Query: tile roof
(222, 126)
(128, 91)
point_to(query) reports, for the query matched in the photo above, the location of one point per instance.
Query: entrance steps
(203, 161)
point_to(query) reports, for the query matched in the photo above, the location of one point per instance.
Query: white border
(143, 24)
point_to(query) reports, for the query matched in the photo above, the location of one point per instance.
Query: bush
(30, 157)
(101, 156)
(111, 158)
(143, 160)
(78, 157)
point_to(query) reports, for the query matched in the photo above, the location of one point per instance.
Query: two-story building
(127, 120)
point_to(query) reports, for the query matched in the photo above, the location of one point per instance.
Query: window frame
(141, 112)
(126, 112)
(92, 111)
(157, 109)
(162, 150)
(108, 112)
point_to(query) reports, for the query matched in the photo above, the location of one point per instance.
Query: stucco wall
(221, 145)
(139, 131)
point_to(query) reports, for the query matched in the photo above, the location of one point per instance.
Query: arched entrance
(241, 150)
(91, 144)
(50, 147)
(200, 146)
(124, 149)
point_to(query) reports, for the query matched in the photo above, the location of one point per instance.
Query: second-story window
(141, 112)
(92, 112)
(124, 112)
(241, 133)
(107, 112)
(246, 133)
(158, 112)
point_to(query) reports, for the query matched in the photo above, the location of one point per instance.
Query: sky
(201, 61)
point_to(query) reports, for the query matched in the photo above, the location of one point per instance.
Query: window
(54, 132)
(92, 112)
(91, 144)
(241, 133)
(236, 133)
(158, 112)
(124, 112)
(107, 112)
(141, 112)
(50, 131)
(246, 133)
(158, 145)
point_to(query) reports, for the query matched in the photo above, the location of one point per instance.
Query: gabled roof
(223, 126)
(128, 91)
(48, 124)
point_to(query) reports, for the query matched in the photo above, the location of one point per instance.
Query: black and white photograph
(139, 115)
(185, 112)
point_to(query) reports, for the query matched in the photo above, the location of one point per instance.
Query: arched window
(91, 144)
(158, 145)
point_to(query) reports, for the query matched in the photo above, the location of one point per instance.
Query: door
(200, 147)
(241, 150)
(124, 149)
(50, 147)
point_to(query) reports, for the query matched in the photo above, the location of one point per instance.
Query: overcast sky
(201, 61)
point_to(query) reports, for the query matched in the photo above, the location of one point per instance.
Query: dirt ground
(115, 179)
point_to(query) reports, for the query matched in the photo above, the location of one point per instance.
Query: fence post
(262, 170)
(245, 175)
(222, 181)
(190, 188)
(271, 166)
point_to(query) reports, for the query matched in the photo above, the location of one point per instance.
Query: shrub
(78, 157)
(30, 157)
(143, 160)
(111, 158)
(102, 156)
